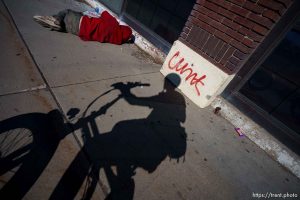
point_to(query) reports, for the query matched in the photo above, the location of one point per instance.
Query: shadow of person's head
(172, 81)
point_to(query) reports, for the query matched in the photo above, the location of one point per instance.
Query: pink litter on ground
(239, 131)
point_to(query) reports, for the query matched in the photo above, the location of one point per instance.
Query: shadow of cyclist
(139, 143)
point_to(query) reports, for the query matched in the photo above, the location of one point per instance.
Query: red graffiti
(183, 68)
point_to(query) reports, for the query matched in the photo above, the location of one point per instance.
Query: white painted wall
(201, 81)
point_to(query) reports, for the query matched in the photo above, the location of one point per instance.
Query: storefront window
(166, 18)
(114, 5)
(275, 87)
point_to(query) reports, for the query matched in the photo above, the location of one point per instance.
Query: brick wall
(226, 32)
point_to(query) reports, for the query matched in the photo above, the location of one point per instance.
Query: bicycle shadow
(139, 143)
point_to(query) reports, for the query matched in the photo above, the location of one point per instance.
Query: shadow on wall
(32, 139)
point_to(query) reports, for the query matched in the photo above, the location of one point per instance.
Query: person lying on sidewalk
(104, 29)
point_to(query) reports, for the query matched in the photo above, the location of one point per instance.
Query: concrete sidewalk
(149, 144)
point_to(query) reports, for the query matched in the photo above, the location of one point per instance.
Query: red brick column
(226, 32)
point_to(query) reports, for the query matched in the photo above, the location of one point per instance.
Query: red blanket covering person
(104, 29)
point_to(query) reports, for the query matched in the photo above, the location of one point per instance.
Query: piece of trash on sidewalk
(217, 110)
(95, 12)
(239, 131)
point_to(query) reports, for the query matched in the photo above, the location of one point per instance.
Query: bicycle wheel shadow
(139, 143)
(27, 143)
